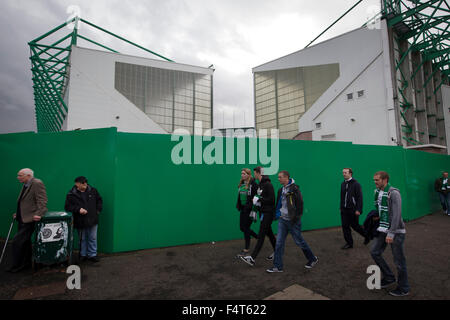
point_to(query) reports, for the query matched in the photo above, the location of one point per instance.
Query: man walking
(391, 231)
(31, 206)
(85, 203)
(290, 209)
(351, 207)
(442, 187)
(265, 199)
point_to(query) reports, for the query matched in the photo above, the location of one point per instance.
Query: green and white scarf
(383, 208)
(445, 184)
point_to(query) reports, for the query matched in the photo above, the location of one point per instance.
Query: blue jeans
(399, 259)
(284, 227)
(88, 241)
(445, 201)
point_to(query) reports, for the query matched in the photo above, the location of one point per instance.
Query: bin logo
(46, 233)
(52, 232)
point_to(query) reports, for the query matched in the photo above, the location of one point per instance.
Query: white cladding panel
(361, 120)
(93, 102)
(363, 66)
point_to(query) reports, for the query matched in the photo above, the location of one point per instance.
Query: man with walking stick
(31, 206)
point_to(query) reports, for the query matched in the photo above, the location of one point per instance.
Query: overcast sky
(234, 35)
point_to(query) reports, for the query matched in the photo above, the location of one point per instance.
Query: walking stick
(6, 242)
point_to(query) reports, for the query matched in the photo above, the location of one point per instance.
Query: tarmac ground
(212, 272)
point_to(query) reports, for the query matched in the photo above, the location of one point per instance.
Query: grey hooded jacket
(396, 224)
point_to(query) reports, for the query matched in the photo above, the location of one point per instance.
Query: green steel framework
(425, 26)
(50, 66)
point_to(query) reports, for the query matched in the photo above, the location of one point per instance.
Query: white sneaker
(270, 258)
(273, 270)
(248, 260)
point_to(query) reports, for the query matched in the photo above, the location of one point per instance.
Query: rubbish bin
(53, 239)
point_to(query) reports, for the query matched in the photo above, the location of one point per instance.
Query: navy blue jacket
(354, 196)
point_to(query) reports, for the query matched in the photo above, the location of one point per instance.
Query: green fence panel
(166, 204)
(317, 168)
(57, 159)
(422, 170)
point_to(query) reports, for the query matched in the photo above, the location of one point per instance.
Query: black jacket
(94, 205)
(354, 196)
(253, 187)
(267, 193)
(370, 226)
(294, 201)
(438, 186)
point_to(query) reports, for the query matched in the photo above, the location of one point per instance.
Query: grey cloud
(176, 29)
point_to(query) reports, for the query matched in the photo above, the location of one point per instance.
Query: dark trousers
(21, 245)
(245, 223)
(399, 259)
(265, 229)
(350, 219)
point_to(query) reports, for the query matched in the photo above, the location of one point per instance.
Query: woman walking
(246, 191)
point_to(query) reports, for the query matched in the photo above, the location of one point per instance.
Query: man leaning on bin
(85, 203)
(31, 206)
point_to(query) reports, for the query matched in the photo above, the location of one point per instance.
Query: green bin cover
(53, 238)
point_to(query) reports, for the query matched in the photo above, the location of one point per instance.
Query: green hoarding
(150, 202)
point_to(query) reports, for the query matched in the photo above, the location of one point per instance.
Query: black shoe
(94, 259)
(312, 263)
(347, 246)
(243, 253)
(270, 258)
(398, 293)
(11, 270)
(366, 241)
(386, 283)
(18, 269)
